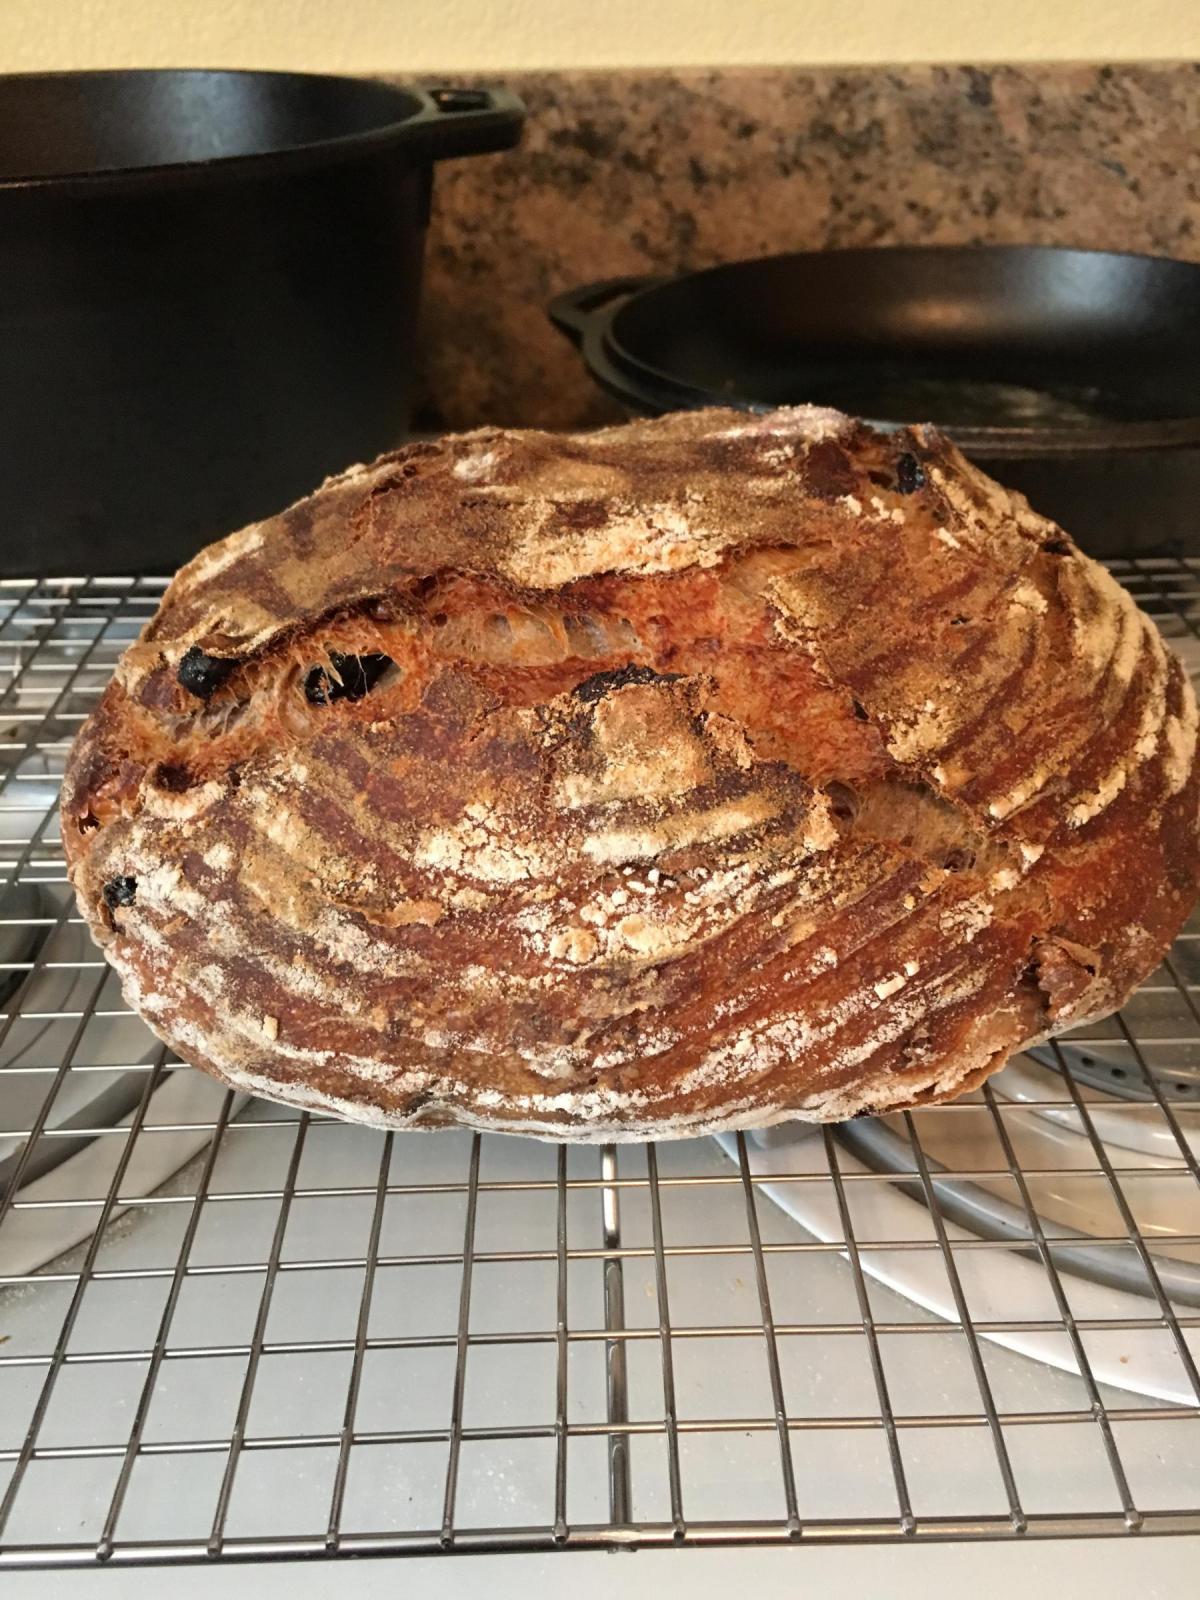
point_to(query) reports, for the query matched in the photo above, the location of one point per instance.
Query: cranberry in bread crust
(693, 774)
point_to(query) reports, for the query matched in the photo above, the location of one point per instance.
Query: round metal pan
(1073, 375)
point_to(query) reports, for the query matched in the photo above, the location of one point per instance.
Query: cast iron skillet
(209, 285)
(1073, 375)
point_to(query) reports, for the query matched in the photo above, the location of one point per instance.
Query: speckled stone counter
(652, 172)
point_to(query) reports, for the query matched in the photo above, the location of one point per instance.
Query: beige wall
(424, 35)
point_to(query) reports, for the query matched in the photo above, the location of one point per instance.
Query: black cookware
(1073, 375)
(208, 296)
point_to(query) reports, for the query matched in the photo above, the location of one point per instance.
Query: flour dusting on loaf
(692, 774)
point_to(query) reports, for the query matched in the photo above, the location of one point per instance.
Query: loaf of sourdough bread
(692, 774)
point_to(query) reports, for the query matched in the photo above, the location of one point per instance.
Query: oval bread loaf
(692, 774)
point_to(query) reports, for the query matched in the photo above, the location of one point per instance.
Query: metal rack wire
(319, 1340)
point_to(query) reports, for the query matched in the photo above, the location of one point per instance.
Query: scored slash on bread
(692, 774)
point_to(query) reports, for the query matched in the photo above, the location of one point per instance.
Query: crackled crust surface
(713, 770)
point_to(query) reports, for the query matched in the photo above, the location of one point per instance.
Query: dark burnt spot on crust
(120, 891)
(172, 777)
(601, 683)
(910, 474)
(201, 674)
(1056, 547)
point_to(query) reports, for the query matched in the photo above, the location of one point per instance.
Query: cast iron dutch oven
(1073, 375)
(208, 296)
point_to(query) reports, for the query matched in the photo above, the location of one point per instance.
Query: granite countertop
(638, 172)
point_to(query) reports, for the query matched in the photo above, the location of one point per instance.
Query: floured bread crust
(693, 774)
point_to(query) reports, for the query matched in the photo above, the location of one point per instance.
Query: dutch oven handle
(586, 317)
(465, 122)
(575, 312)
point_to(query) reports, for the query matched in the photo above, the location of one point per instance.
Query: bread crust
(693, 774)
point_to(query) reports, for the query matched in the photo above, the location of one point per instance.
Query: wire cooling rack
(314, 1339)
